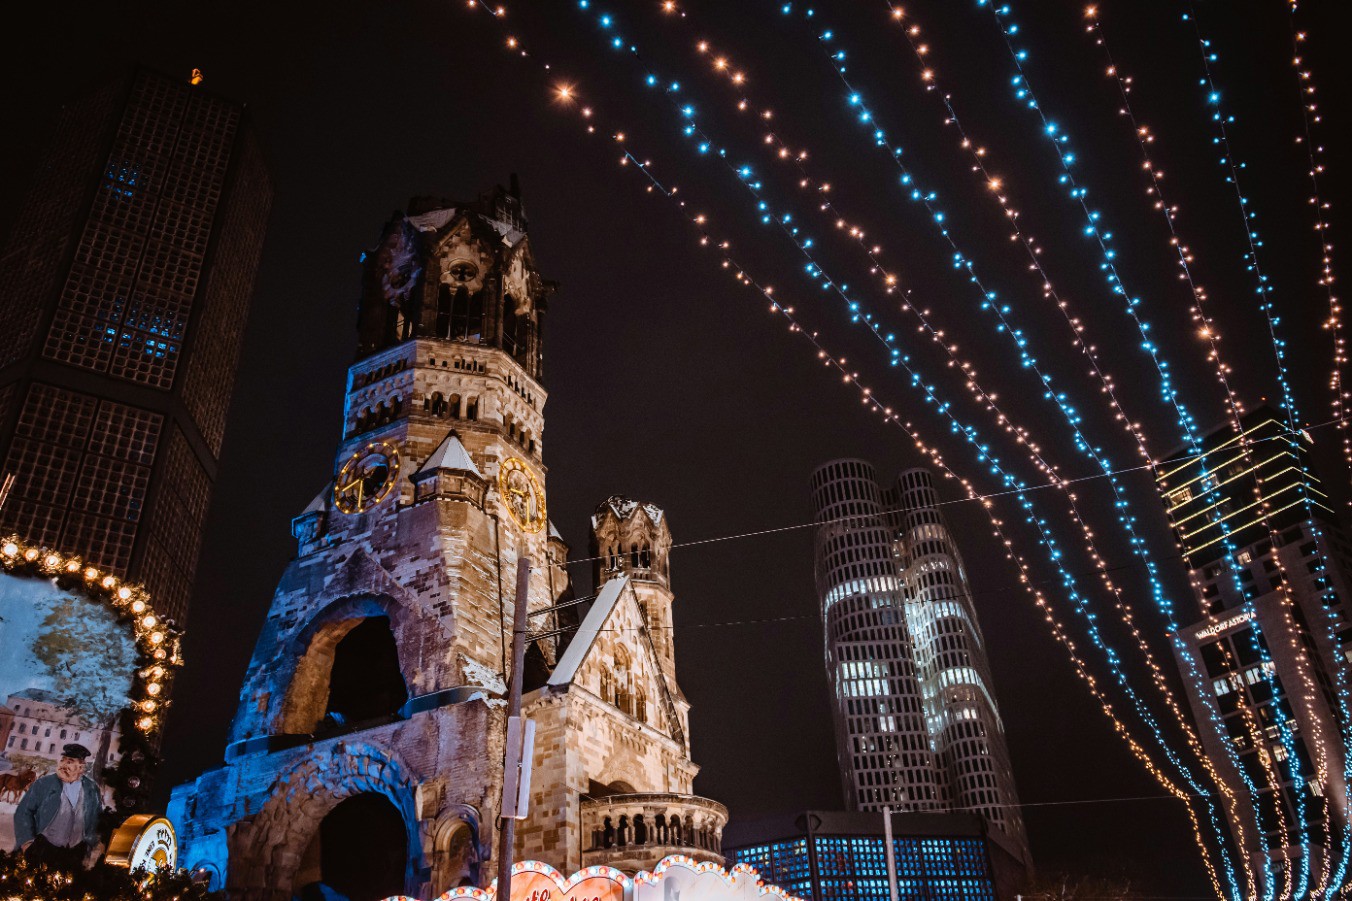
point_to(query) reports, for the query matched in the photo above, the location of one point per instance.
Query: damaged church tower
(366, 757)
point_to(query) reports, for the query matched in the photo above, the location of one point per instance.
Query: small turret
(632, 539)
(449, 472)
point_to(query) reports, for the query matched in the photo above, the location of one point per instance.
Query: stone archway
(359, 852)
(314, 648)
(268, 852)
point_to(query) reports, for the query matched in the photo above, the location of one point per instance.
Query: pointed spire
(450, 454)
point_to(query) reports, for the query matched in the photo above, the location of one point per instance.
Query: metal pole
(891, 854)
(507, 827)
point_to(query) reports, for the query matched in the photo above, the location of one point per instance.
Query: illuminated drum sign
(146, 843)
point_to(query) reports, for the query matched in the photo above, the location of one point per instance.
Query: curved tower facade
(902, 635)
(950, 658)
(886, 759)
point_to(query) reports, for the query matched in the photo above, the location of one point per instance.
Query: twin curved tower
(917, 728)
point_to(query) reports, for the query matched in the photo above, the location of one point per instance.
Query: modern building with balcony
(1265, 668)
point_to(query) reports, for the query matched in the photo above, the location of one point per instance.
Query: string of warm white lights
(889, 416)
(781, 151)
(1024, 91)
(1207, 328)
(690, 129)
(1233, 167)
(1314, 150)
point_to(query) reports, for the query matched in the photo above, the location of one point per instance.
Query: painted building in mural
(366, 757)
(917, 726)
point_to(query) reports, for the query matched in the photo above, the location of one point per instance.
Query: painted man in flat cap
(57, 821)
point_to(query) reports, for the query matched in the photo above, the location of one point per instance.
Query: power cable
(1061, 483)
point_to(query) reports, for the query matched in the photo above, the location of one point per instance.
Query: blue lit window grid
(855, 868)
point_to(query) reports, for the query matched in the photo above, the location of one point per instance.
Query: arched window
(645, 557)
(444, 304)
(607, 687)
(453, 407)
(624, 676)
(633, 555)
(641, 705)
(437, 404)
(460, 315)
(472, 408)
(509, 319)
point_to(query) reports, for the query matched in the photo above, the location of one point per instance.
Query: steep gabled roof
(586, 635)
(450, 454)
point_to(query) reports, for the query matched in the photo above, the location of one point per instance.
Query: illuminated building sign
(1223, 625)
(676, 876)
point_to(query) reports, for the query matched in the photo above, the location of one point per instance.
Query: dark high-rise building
(917, 727)
(124, 289)
(1272, 570)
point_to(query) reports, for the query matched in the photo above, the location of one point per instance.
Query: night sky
(671, 383)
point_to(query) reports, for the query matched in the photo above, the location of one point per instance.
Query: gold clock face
(367, 477)
(521, 494)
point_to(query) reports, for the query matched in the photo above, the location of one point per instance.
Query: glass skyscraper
(917, 727)
(124, 290)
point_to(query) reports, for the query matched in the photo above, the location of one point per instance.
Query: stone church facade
(366, 757)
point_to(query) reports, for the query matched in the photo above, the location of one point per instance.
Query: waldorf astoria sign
(674, 877)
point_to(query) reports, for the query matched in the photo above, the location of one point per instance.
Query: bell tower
(366, 754)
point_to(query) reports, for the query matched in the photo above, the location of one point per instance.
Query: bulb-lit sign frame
(699, 881)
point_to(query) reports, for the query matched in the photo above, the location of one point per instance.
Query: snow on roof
(510, 233)
(624, 507)
(450, 454)
(433, 221)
